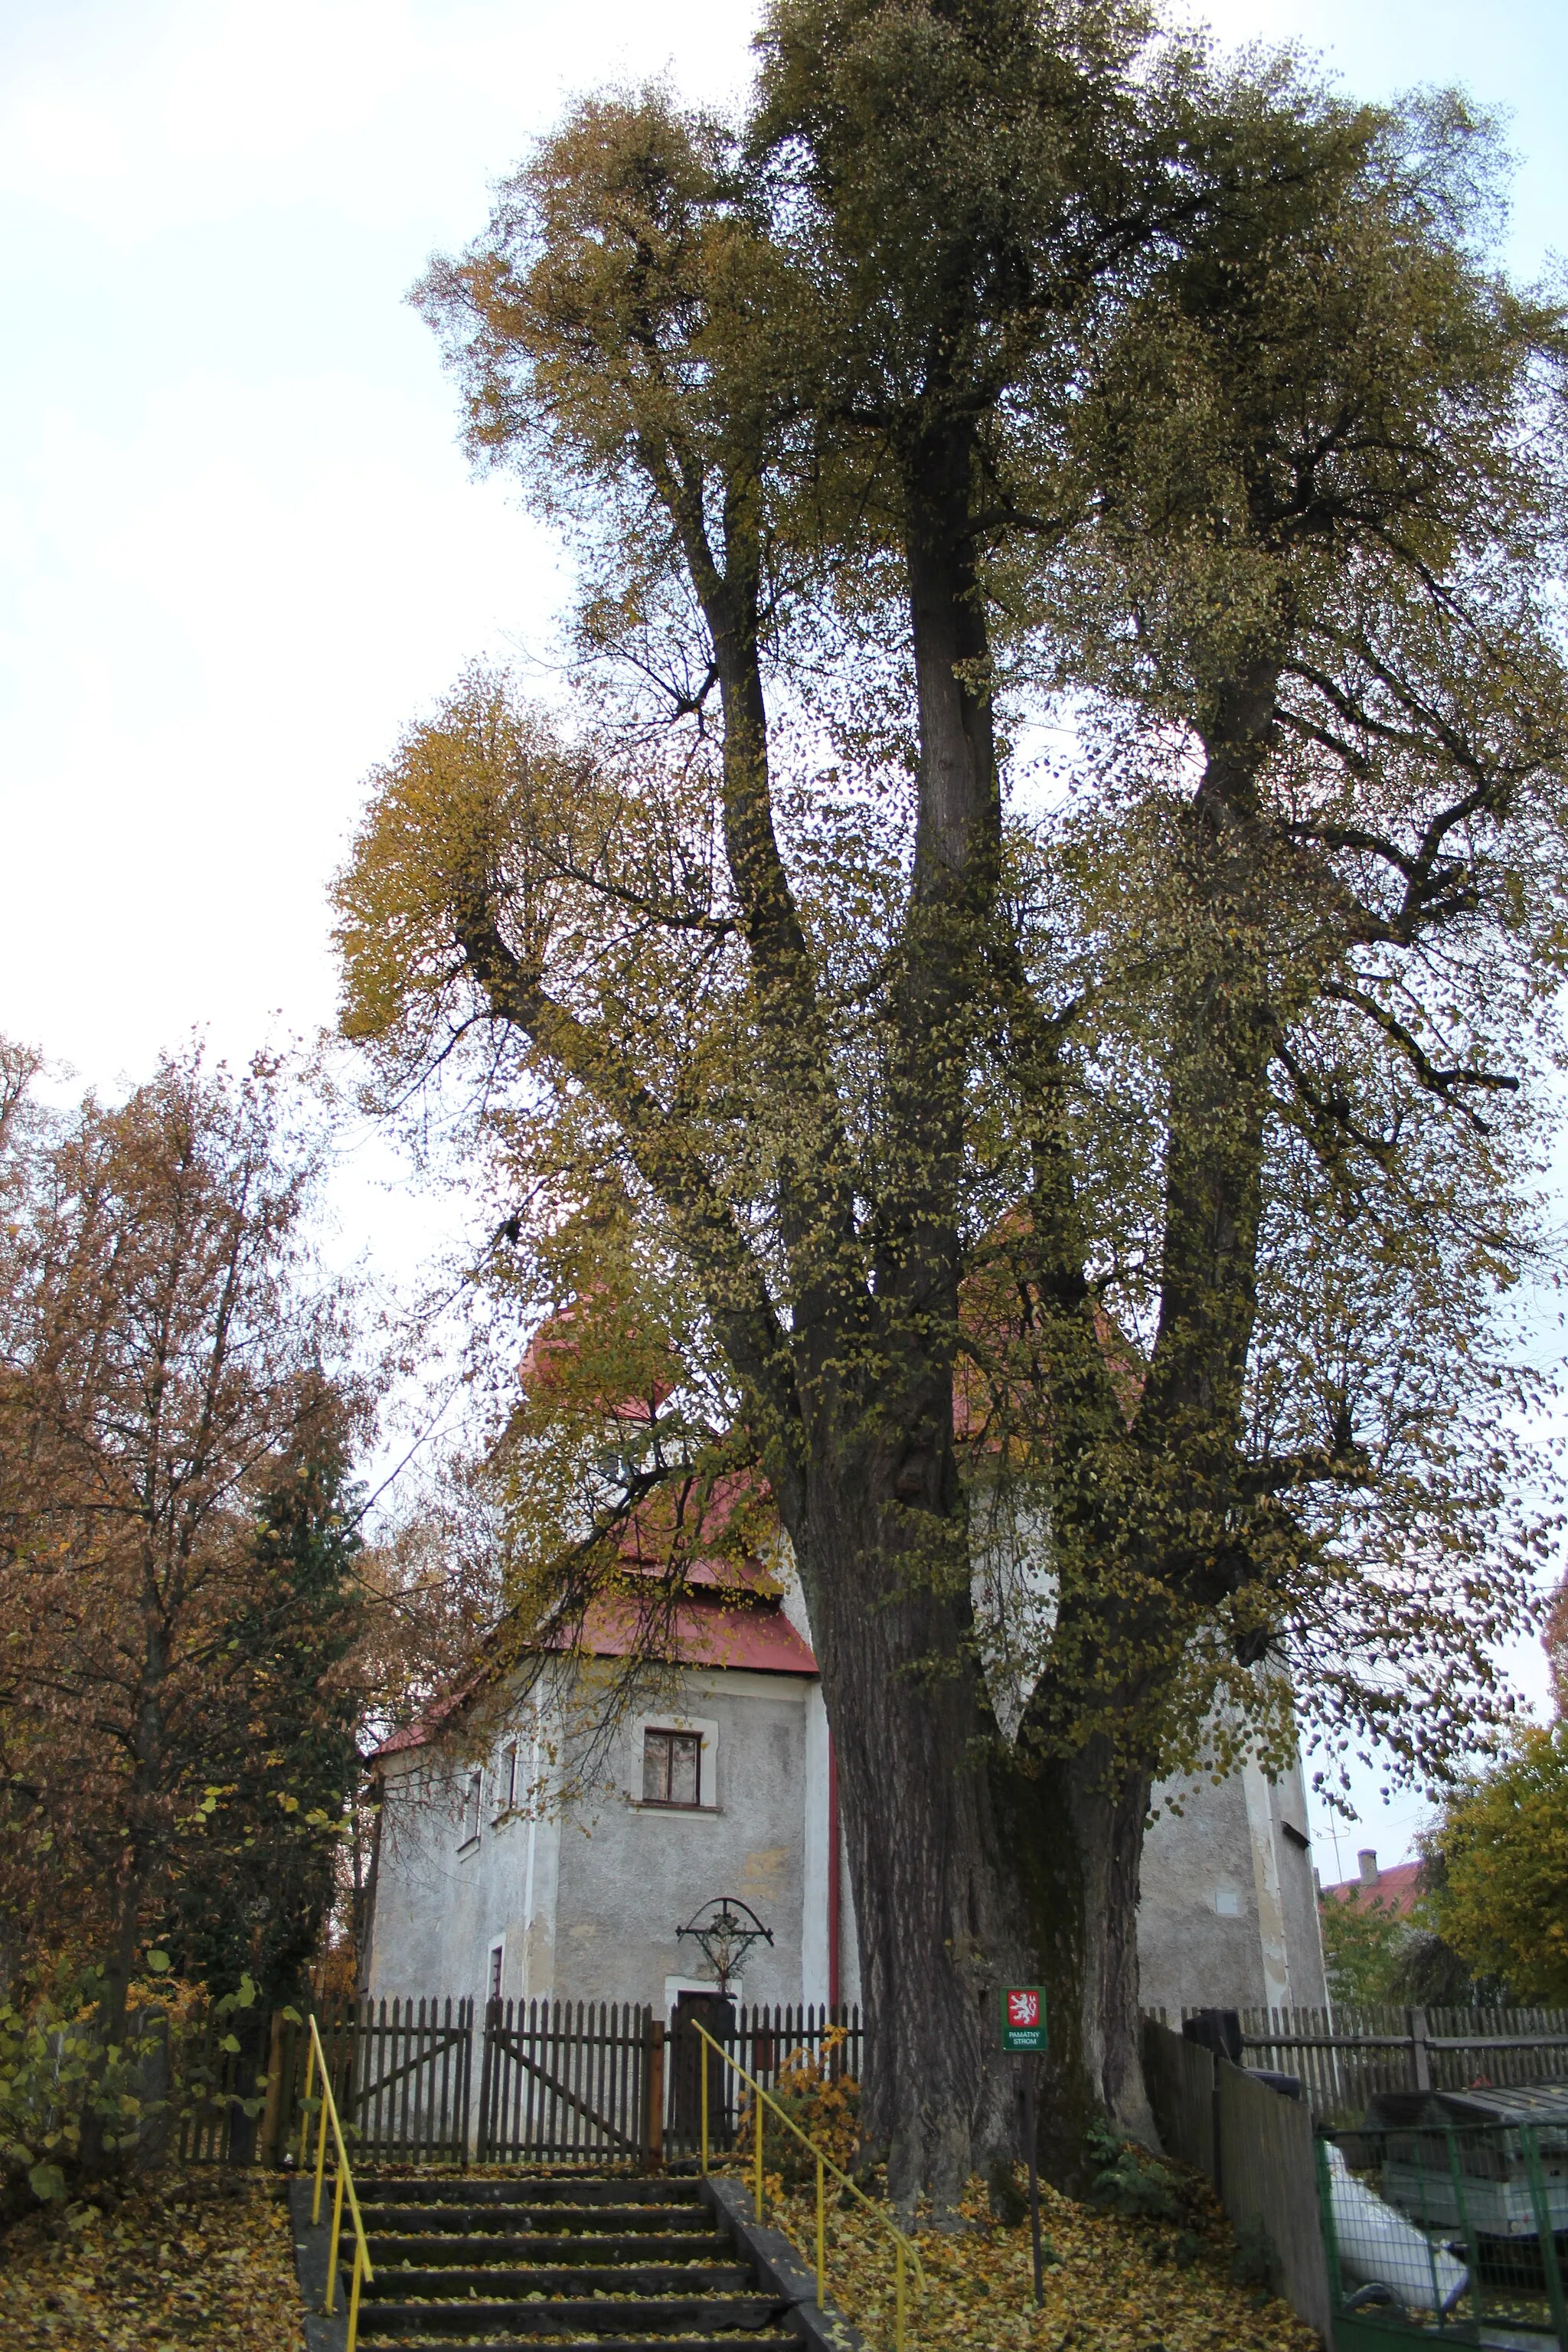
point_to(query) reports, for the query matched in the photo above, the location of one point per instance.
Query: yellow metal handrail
(908, 2253)
(361, 2269)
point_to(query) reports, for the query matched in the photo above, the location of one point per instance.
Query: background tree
(170, 1366)
(278, 1735)
(429, 1592)
(1499, 1863)
(1554, 1641)
(993, 358)
(1363, 1943)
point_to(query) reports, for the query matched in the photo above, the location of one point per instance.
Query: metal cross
(726, 1935)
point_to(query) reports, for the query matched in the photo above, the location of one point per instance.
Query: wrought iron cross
(725, 1934)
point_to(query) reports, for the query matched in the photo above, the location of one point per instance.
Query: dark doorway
(717, 2014)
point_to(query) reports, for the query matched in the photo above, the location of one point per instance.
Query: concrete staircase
(608, 2264)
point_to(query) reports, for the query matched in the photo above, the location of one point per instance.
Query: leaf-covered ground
(1111, 2285)
(200, 2262)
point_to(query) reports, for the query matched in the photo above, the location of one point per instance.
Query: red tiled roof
(1398, 1890)
(710, 1529)
(762, 1640)
(754, 1639)
(412, 1735)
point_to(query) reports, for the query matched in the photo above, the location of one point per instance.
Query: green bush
(60, 2076)
(57, 2073)
(1127, 2179)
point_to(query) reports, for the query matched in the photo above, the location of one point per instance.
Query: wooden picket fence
(1343, 2056)
(440, 2081)
(434, 2081)
(225, 2078)
(766, 2041)
(400, 2074)
(566, 2084)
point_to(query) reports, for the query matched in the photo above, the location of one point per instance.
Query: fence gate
(568, 2082)
(767, 2041)
(554, 2081)
(399, 2072)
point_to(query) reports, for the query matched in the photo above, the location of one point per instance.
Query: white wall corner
(1273, 1943)
(813, 1970)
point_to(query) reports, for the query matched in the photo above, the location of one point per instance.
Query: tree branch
(1447, 1083)
(739, 1299)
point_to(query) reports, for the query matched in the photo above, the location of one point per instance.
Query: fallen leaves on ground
(1111, 2285)
(197, 2261)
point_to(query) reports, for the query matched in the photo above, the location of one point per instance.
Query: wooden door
(717, 2014)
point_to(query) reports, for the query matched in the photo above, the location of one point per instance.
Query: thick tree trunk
(969, 1872)
(938, 1928)
(94, 2156)
(1081, 1843)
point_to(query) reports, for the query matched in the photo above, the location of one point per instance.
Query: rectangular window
(496, 1952)
(473, 1798)
(672, 1767)
(511, 1775)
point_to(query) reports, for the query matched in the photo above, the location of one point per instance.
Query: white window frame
(707, 1768)
(473, 1810)
(511, 1767)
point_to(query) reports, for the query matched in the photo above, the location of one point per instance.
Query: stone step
(538, 2188)
(772, 2339)
(533, 2221)
(489, 2246)
(496, 2283)
(665, 2316)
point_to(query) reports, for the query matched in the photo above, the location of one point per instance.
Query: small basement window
(672, 1767)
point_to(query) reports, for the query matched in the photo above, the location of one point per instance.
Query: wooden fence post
(490, 2061)
(1420, 2058)
(656, 2093)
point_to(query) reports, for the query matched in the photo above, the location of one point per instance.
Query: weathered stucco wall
(631, 1874)
(1228, 1917)
(441, 1905)
(584, 1901)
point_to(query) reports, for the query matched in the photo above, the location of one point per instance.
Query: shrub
(58, 2073)
(820, 2101)
(1129, 2180)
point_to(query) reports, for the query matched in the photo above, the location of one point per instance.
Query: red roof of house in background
(1398, 1890)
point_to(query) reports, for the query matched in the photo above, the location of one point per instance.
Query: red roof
(762, 1640)
(709, 1529)
(754, 1639)
(1397, 1890)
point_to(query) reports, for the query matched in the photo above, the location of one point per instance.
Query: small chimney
(1367, 1858)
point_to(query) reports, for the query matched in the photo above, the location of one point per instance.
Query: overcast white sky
(240, 545)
